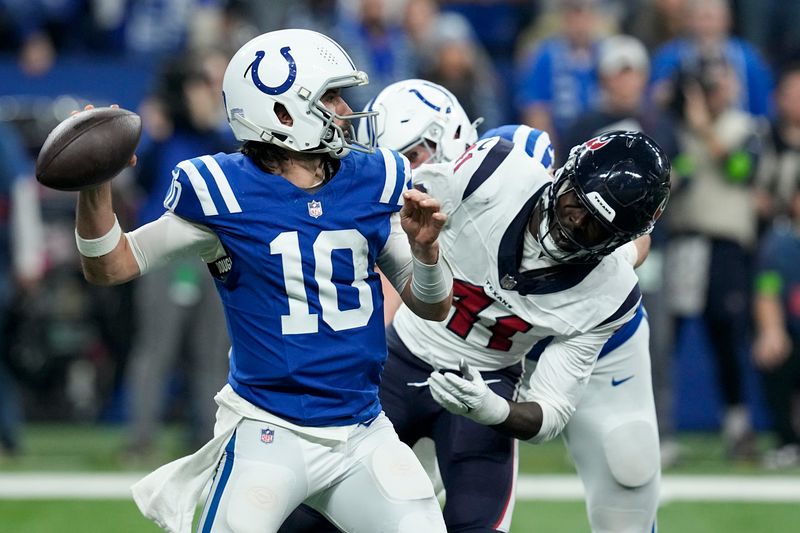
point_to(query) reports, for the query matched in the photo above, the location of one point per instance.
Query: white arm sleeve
(395, 258)
(628, 252)
(171, 237)
(560, 377)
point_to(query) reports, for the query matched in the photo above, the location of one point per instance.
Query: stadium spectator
(249, 17)
(497, 27)
(777, 288)
(656, 22)
(779, 167)
(713, 229)
(776, 350)
(424, 22)
(709, 37)
(460, 65)
(379, 44)
(21, 265)
(558, 80)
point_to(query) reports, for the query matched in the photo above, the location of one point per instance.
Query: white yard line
(72, 486)
(675, 488)
(77, 486)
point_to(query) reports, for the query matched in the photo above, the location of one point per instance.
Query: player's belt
(624, 333)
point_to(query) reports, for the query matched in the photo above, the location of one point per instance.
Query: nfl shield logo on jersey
(267, 435)
(508, 282)
(315, 209)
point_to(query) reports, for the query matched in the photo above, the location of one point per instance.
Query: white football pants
(371, 483)
(613, 440)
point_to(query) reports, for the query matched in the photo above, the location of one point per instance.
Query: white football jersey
(509, 296)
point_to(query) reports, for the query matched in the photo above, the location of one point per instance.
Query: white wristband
(493, 411)
(431, 283)
(101, 245)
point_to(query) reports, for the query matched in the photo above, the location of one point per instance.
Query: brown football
(88, 148)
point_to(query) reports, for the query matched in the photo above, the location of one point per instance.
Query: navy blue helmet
(622, 179)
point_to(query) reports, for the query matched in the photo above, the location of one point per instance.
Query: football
(88, 148)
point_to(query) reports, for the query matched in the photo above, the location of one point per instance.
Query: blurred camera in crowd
(706, 75)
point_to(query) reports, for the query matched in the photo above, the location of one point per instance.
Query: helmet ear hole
(283, 114)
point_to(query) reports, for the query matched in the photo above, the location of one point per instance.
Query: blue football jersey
(302, 300)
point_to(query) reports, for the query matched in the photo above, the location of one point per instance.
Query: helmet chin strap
(544, 234)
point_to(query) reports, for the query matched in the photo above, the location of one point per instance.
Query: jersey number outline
(300, 319)
(469, 301)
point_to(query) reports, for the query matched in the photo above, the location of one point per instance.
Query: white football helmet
(413, 112)
(293, 68)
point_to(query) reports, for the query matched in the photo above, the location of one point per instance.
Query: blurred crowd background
(716, 83)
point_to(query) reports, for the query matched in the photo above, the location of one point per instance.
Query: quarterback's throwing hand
(468, 396)
(422, 220)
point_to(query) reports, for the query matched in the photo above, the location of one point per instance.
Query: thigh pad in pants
(631, 450)
(399, 473)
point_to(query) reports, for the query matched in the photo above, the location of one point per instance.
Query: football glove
(468, 396)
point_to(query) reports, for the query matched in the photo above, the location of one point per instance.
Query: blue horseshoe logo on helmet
(283, 87)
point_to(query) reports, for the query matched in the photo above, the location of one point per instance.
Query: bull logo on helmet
(597, 142)
(278, 89)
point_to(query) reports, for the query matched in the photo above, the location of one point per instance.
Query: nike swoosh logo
(617, 382)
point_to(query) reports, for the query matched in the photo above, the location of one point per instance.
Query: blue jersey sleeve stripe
(404, 178)
(390, 176)
(547, 157)
(223, 184)
(543, 149)
(211, 183)
(536, 142)
(200, 187)
(525, 136)
(394, 180)
(623, 334)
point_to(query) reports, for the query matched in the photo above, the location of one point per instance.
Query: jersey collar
(545, 280)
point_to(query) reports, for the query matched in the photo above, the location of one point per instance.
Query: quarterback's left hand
(468, 396)
(422, 220)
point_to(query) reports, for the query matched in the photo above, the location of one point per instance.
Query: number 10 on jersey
(300, 320)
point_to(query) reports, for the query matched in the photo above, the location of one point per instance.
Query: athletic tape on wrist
(101, 245)
(431, 283)
(495, 410)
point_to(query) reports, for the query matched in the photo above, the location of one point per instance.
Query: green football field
(92, 449)
(546, 517)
